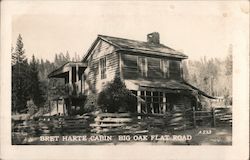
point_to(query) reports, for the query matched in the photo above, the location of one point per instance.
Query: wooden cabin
(151, 70)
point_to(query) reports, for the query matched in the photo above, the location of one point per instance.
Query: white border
(239, 149)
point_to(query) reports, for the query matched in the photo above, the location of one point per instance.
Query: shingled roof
(140, 47)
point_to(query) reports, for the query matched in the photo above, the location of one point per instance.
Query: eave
(62, 71)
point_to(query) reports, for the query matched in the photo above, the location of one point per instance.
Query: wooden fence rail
(216, 117)
(126, 123)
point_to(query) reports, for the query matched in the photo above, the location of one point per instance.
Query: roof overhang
(62, 71)
(155, 53)
(169, 86)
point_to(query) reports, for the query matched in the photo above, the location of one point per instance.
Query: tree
(67, 56)
(18, 55)
(13, 58)
(229, 65)
(20, 78)
(117, 98)
(36, 93)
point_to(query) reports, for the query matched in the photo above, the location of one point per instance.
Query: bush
(32, 108)
(90, 103)
(115, 97)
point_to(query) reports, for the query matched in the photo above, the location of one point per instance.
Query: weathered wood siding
(133, 67)
(93, 81)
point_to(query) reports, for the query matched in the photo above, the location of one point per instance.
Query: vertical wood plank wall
(94, 83)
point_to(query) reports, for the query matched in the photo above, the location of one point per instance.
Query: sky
(197, 29)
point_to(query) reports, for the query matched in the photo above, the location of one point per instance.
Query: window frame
(103, 67)
(142, 68)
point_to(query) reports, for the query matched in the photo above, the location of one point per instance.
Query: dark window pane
(148, 99)
(154, 68)
(156, 99)
(174, 69)
(142, 92)
(155, 93)
(161, 94)
(148, 93)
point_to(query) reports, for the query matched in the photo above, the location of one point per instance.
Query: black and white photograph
(126, 73)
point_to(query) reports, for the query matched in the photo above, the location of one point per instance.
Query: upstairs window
(175, 69)
(142, 66)
(165, 67)
(103, 68)
(154, 68)
(130, 67)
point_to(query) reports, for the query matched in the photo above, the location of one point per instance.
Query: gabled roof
(138, 46)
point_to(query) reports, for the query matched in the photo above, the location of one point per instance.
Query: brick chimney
(153, 38)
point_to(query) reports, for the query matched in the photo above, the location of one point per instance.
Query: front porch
(73, 90)
(160, 97)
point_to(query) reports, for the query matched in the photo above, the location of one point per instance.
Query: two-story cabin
(151, 70)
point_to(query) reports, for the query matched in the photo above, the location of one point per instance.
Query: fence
(141, 123)
(223, 116)
(115, 123)
(215, 117)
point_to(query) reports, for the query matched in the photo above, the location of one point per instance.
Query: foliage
(32, 108)
(30, 81)
(116, 98)
(36, 92)
(91, 103)
(213, 76)
(20, 78)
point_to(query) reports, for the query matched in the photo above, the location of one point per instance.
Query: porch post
(164, 102)
(70, 75)
(138, 102)
(77, 75)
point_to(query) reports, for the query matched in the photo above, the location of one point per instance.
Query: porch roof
(61, 72)
(164, 85)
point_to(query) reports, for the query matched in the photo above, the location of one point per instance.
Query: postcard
(124, 80)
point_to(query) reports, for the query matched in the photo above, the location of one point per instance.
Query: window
(103, 68)
(142, 66)
(130, 68)
(164, 68)
(154, 68)
(153, 102)
(174, 69)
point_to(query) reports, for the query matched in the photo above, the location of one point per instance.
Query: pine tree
(20, 78)
(13, 58)
(36, 93)
(19, 51)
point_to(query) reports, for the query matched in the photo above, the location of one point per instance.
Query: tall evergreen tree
(20, 77)
(36, 93)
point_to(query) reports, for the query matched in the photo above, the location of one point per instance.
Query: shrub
(115, 97)
(91, 103)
